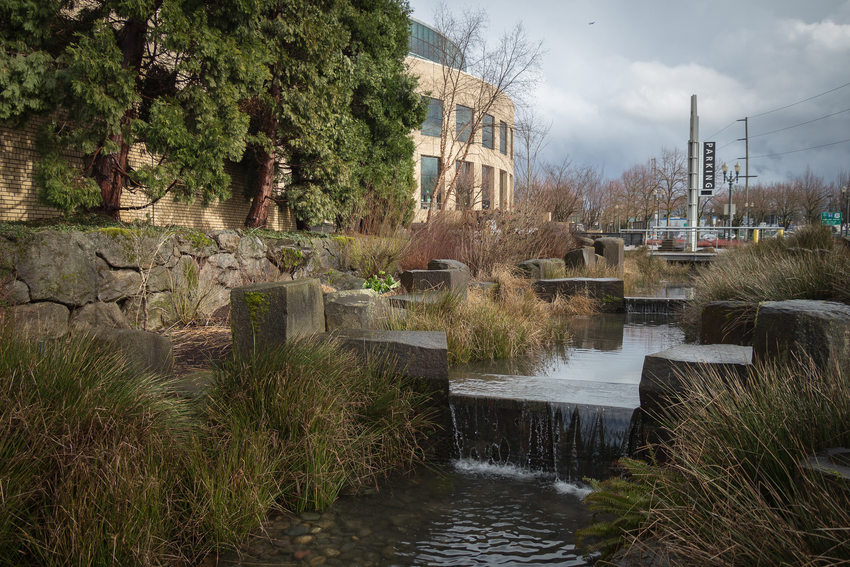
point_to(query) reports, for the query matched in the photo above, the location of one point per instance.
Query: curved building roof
(429, 44)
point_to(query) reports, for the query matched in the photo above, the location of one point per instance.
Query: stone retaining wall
(143, 278)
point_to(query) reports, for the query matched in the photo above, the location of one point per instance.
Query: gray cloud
(618, 91)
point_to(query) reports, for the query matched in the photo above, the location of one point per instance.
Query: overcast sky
(618, 90)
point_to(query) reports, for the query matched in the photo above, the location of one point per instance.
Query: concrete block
(727, 322)
(608, 291)
(266, 315)
(583, 257)
(543, 268)
(445, 264)
(804, 328)
(613, 250)
(433, 280)
(662, 371)
(352, 309)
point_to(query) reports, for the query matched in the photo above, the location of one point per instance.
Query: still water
(487, 510)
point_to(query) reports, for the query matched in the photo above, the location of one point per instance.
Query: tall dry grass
(485, 240)
(776, 270)
(735, 491)
(507, 323)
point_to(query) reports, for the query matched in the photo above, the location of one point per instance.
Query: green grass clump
(91, 455)
(733, 491)
(334, 422)
(101, 464)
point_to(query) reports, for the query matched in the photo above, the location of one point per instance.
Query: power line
(722, 129)
(803, 149)
(799, 101)
(800, 124)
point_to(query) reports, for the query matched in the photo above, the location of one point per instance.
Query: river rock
(119, 284)
(97, 315)
(447, 264)
(580, 258)
(228, 240)
(42, 320)
(148, 351)
(804, 328)
(268, 314)
(661, 377)
(59, 267)
(14, 292)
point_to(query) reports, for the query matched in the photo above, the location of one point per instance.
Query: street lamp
(727, 177)
(657, 213)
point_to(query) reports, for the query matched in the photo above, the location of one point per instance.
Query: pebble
(315, 530)
(331, 552)
(297, 530)
(301, 554)
(311, 516)
(318, 560)
(303, 539)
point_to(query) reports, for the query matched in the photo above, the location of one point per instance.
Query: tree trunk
(258, 216)
(109, 170)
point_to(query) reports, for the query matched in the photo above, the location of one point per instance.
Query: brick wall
(19, 195)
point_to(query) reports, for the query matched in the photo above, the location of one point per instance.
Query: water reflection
(601, 365)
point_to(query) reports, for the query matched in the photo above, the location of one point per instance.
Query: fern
(624, 502)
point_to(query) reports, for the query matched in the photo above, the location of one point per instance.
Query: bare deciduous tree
(477, 78)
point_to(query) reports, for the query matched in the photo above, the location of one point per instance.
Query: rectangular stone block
(612, 249)
(584, 257)
(727, 322)
(267, 315)
(543, 268)
(608, 291)
(434, 280)
(804, 328)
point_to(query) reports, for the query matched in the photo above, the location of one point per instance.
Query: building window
(503, 189)
(510, 190)
(433, 125)
(464, 123)
(512, 142)
(465, 186)
(487, 131)
(429, 174)
(503, 137)
(486, 186)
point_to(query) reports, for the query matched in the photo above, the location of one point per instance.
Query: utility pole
(693, 177)
(746, 140)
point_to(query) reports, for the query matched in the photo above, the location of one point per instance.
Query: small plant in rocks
(381, 282)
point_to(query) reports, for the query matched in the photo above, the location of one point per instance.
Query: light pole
(657, 214)
(845, 192)
(617, 214)
(727, 177)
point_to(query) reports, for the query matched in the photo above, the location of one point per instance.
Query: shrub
(369, 255)
(487, 239)
(734, 491)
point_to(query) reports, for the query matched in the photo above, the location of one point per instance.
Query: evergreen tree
(336, 114)
(106, 75)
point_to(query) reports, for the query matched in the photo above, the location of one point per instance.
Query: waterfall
(573, 441)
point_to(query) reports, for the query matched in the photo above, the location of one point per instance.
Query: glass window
(503, 137)
(503, 189)
(429, 173)
(433, 125)
(511, 134)
(486, 186)
(464, 123)
(487, 131)
(465, 186)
